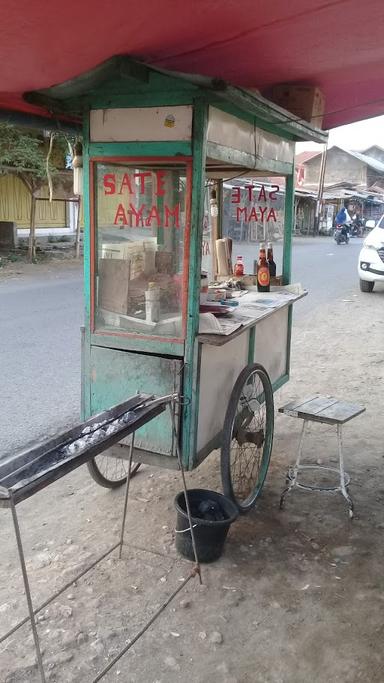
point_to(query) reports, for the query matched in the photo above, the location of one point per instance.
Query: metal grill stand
(36, 468)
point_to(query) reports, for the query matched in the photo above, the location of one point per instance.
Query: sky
(357, 136)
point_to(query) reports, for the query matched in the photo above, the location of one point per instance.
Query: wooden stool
(329, 411)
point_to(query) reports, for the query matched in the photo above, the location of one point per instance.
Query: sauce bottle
(263, 277)
(239, 267)
(271, 262)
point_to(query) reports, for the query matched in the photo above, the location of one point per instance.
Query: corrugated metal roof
(369, 161)
(364, 158)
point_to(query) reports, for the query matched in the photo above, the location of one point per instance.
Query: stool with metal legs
(326, 410)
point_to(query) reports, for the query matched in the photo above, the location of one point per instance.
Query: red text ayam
(140, 214)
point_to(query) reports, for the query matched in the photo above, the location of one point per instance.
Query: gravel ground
(297, 596)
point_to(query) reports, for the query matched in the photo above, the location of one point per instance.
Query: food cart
(154, 144)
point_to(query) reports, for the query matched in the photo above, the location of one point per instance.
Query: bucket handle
(182, 531)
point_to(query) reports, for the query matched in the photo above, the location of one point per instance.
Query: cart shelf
(262, 314)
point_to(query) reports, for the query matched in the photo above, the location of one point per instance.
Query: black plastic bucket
(209, 535)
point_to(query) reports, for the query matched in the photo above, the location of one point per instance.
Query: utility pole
(321, 188)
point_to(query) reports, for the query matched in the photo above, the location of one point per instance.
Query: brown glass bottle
(271, 262)
(263, 277)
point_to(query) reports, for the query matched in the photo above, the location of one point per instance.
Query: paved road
(40, 320)
(326, 269)
(40, 317)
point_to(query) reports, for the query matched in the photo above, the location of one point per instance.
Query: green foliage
(25, 153)
(13, 258)
(22, 152)
(35, 160)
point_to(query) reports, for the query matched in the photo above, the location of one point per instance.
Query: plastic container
(209, 535)
(204, 288)
(152, 303)
(150, 248)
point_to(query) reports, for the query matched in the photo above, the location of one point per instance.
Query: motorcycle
(341, 234)
(356, 228)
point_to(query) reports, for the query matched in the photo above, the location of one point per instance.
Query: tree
(30, 158)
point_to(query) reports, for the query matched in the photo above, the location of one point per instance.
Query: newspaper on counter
(209, 324)
(249, 312)
(253, 305)
(272, 299)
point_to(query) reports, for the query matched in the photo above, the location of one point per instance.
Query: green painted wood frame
(140, 149)
(192, 366)
(287, 252)
(288, 226)
(86, 337)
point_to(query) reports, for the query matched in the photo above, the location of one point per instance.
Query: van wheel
(366, 286)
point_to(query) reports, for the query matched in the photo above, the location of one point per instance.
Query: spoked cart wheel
(247, 437)
(110, 472)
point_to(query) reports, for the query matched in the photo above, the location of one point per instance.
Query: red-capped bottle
(239, 267)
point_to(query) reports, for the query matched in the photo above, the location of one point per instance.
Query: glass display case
(140, 230)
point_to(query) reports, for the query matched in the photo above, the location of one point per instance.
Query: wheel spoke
(250, 435)
(114, 469)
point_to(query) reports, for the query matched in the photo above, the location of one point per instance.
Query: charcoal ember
(209, 510)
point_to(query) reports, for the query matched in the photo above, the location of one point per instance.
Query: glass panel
(141, 214)
(253, 212)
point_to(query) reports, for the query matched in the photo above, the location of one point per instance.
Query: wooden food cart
(153, 142)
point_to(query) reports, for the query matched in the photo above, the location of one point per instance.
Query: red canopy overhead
(337, 45)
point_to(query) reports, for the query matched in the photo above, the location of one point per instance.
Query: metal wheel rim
(247, 466)
(113, 469)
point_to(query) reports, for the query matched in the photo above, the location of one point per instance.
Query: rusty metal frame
(8, 497)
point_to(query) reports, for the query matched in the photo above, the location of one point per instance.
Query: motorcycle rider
(357, 224)
(343, 218)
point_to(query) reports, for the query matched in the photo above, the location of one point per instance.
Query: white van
(371, 257)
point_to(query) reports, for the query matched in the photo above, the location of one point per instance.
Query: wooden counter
(262, 314)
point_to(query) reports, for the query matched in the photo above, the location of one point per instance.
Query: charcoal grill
(25, 473)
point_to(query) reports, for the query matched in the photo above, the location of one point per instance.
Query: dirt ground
(298, 595)
(50, 263)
